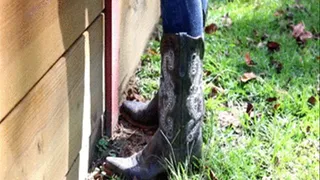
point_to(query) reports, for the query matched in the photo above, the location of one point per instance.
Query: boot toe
(140, 114)
(131, 168)
(122, 164)
(132, 107)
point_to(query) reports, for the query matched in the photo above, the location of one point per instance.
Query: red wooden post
(112, 14)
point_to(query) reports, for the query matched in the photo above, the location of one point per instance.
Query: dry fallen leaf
(308, 129)
(248, 76)
(306, 35)
(271, 99)
(249, 108)
(132, 94)
(312, 100)
(279, 12)
(273, 46)
(212, 28)
(300, 34)
(297, 30)
(152, 52)
(206, 73)
(213, 176)
(276, 106)
(215, 90)
(248, 60)
(226, 20)
(227, 119)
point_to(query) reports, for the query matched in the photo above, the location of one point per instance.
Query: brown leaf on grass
(132, 94)
(308, 129)
(300, 34)
(227, 119)
(318, 57)
(297, 30)
(207, 73)
(271, 99)
(152, 52)
(248, 76)
(312, 100)
(249, 109)
(277, 65)
(279, 12)
(248, 60)
(215, 90)
(276, 106)
(210, 29)
(273, 46)
(212, 175)
(305, 36)
(226, 20)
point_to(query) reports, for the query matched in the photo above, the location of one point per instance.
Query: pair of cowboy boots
(177, 110)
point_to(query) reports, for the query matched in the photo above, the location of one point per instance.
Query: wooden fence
(52, 94)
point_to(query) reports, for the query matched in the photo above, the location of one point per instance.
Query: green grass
(280, 143)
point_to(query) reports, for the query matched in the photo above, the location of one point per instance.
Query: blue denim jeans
(183, 16)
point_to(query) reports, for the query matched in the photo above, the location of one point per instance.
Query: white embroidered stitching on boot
(195, 99)
(193, 128)
(167, 97)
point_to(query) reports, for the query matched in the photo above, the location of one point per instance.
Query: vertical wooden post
(112, 27)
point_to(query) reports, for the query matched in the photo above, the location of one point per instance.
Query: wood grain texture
(42, 136)
(73, 173)
(93, 98)
(137, 22)
(33, 35)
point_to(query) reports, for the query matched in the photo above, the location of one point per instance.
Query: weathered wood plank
(41, 137)
(33, 35)
(137, 22)
(73, 173)
(93, 102)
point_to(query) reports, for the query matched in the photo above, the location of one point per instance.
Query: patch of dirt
(129, 139)
(126, 141)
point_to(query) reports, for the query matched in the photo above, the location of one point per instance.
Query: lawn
(262, 125)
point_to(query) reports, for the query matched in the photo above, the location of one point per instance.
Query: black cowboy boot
(181, 109)
(143, 114)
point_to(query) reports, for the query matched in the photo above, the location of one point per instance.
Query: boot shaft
(181, 106)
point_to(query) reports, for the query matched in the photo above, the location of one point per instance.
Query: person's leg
(146, 114)
(180, 99)
(182, 16)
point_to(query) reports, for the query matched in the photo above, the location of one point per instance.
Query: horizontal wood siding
(42, 136)
(33, 35)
